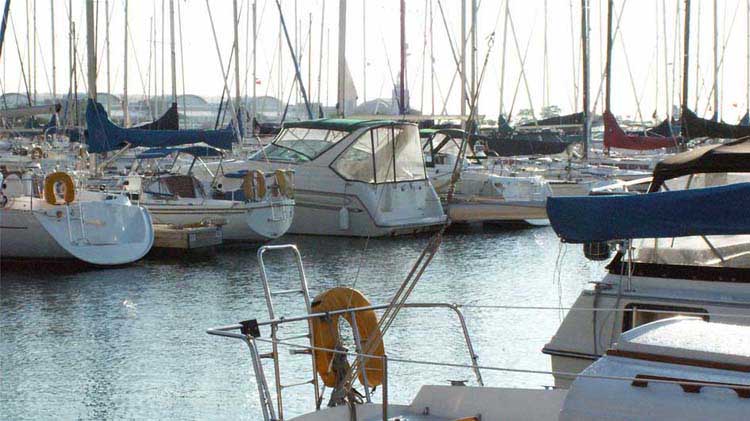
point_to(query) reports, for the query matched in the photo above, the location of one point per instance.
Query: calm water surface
(130, 343)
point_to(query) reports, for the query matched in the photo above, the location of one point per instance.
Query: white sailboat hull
(239, 223)
(104, 233)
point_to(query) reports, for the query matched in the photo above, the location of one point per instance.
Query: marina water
(130, 342)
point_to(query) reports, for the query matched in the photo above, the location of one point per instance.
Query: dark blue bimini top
(708, 211)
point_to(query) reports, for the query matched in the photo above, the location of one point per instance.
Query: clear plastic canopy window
(298, 144)
(383, 155)
(715, 250)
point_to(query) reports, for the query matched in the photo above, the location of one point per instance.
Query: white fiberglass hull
(109, 233)
(252, 223)
(327, 213)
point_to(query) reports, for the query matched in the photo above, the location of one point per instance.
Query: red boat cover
(615, 137)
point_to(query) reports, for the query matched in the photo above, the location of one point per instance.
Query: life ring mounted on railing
(325, 334)
(285, 182)
(254, 185)
(51, 183)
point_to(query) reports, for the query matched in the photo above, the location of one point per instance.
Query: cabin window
(637, 314)
(357, 163)
(382, 144)
(409, 158)
(699, 181)
(299, 144)
(729, 251)
(383, 155)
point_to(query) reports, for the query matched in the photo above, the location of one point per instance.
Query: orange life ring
(285, 181)
(49, 187)
(326, 333)
(254, 185)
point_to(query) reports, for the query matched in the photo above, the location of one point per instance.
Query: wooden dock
(186, 238)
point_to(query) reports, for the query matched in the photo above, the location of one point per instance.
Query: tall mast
(34, 48)
(502, 58)
(172, 54)
(545, 68)
(463, 57)
(342, 59)
(236, 47)
(585, 58)
(309, 53)
(432, 67)
(364, 51)
(125, 113)
(402, 80)
(608, 63)
(161, 98)
(4, 25)
(54, 62)
(91, 49)
(255, 74)
(716, 61)
(320, 54)
(685, 57)
(667, 95)
(106, 47)
(747, 66)
(297, 73)
(474, 70)
(697, 55)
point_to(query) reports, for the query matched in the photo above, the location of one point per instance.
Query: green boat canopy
(341, 124)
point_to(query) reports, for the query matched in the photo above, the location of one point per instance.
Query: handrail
(226, 330)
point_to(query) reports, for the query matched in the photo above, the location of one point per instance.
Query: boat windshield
(383, 155)
(299, 144)
(450, 147)
(731, 251)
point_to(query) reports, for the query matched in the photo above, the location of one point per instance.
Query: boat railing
(248, 331)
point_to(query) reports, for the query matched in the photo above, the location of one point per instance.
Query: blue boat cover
(197, 151)
(104, 136)
(708, 211)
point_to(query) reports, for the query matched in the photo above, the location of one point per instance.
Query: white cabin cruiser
(682, 248)
(353, 177)
(681, 368)
(57, 222)
(479, 194)
(261, 209)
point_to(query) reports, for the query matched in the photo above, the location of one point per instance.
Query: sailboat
(614, 135)
(62, 222)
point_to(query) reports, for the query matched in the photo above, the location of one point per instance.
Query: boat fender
(344, 218)
(254, 185)
(50, 183)
(285, 181)
(326, 333)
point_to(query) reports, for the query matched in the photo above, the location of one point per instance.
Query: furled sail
(694, 126)
(103, 135)
(169, 121)
(560, 120)
(524, 144)
(615, 137)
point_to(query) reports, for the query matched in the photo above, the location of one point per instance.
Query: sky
(646, 65)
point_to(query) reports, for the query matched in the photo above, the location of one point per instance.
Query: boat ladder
(275, 338)
(83, 238)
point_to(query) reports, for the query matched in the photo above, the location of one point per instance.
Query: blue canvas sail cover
(104, 136)
(708, 211)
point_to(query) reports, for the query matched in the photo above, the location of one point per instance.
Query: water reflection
(130, 342)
